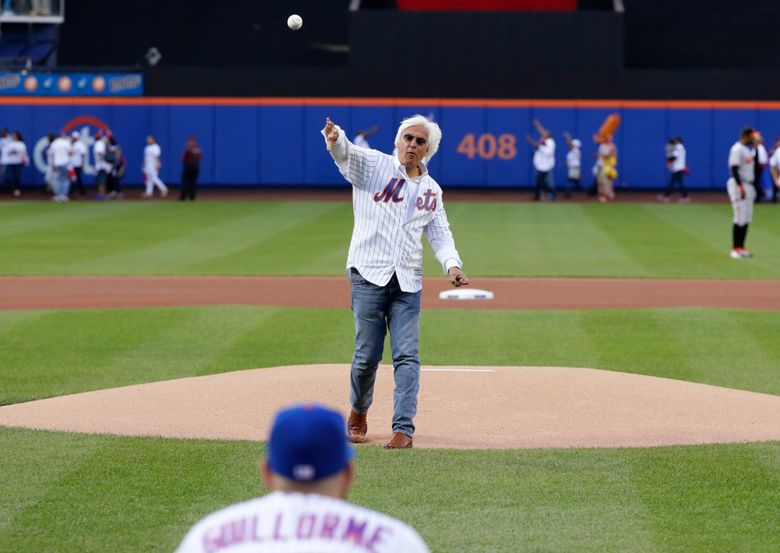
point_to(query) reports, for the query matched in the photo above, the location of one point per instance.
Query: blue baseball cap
(308, 442)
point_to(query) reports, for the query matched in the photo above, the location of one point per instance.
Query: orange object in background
(489, 5)
(608, 128)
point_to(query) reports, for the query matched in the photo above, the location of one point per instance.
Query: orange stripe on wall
(386, 102)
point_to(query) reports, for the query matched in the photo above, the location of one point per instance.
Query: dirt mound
(459, 407)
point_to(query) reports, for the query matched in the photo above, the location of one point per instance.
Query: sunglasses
(420, 141)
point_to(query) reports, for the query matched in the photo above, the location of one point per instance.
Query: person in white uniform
(77, 157)
(742, 193)
(102, 167)
(5, 138)
(151, 168)
(677, 163)
(395, 201)
(308, 471)
(361, 138)
(544, 162)
(59, 154)
(762, 159)
(774, 169)
(573, 164)
(13, 157)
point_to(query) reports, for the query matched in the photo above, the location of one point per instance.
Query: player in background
(151, 168)
(5, 138)
(361, 138)
(742, 193)
(676, 162)
(14, 158)
(308, 471)
(190, 160)
(573, 164)
(77, 157)
(102, 167)
(774, 169)
(762, 159)
(544, 162)
(59, 154)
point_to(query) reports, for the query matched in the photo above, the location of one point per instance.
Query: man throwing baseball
(395, 202)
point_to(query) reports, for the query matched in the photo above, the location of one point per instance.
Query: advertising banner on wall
(71, 84)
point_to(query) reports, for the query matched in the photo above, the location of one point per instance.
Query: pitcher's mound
(459, 407)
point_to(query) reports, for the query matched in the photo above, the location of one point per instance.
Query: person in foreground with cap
(308, 471)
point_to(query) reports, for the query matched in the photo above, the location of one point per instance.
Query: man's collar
(421, 165)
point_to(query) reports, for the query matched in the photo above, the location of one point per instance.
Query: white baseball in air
(295, 22)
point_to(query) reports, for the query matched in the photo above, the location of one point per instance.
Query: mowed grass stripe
(711, 498)
(61, 352)
(308, 238)
(32, 221)
(650, 241)
(76, 351)
(290, 336)
(705, 231)
(187, 253)
(706, 498)
(694, 344)
(29, 471)
(123, 228)
(507, 239)
(519, 501)
(688, 345)
(116, 494)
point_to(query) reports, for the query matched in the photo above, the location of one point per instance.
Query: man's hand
(331, 133)
(742, 191)
(457, 277)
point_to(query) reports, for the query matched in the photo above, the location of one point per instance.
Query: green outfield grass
(141, 494)
(65, 492)
(49, 353)
(311, 238)
(101, 493)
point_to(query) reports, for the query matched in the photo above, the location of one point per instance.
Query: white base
(466, 294)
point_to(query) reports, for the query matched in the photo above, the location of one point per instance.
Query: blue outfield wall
(277, 142)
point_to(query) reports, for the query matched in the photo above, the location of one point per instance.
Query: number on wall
(487, 146)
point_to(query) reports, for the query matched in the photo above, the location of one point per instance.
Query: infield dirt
(459, 407)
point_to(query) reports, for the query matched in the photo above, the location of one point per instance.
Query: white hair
(434, 134)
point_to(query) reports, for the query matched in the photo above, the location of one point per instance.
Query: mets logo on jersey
(391, 192)
(427, 202)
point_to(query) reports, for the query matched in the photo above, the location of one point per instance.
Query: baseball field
(81, 491)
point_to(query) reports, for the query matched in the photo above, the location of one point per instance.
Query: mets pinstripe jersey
(392, 211)
(281, 522)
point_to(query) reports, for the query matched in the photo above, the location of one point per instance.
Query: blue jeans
(544, 183)
(378, 309)
(61, 181)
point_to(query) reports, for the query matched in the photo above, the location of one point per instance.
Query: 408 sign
(488, 146)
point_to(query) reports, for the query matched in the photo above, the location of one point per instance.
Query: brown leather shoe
(399, 441)
(357, 426)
